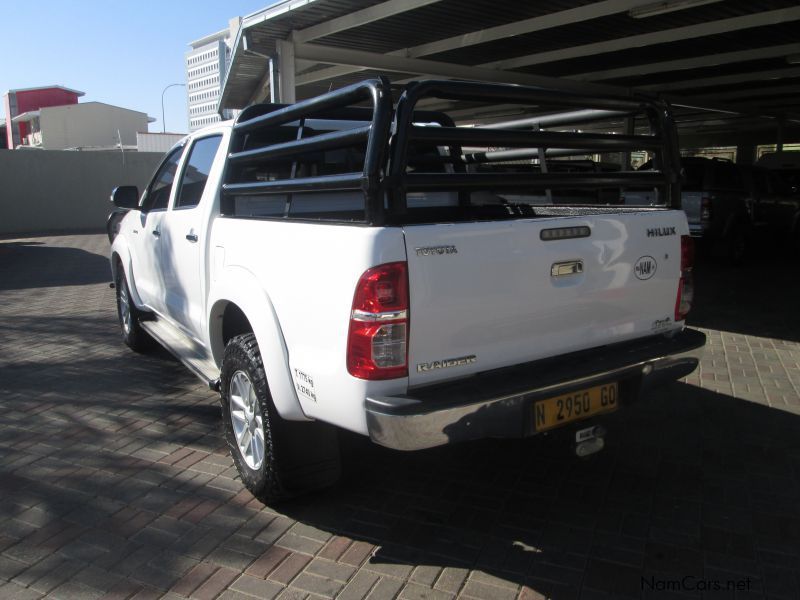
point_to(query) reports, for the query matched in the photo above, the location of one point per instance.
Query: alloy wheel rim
(124, 307)
(246, 419)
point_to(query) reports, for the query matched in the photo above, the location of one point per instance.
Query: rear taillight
(377, 344)
(705, 211)
(683, 303)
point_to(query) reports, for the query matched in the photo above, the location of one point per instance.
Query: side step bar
(185, 350)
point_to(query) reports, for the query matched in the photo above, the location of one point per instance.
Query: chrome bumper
(500, 403)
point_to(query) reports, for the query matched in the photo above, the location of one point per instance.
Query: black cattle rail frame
(389, 132)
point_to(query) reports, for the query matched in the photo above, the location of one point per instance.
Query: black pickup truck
(715, 200)
(774, 197)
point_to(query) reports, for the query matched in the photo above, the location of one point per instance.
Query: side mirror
(125, 197)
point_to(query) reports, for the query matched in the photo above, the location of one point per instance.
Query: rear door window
(195, 173)
(160, 188)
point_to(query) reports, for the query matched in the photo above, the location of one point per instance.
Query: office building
(206, 65)
(84, 126)
(24, 100)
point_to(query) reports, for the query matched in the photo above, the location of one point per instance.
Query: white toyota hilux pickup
(359, 260)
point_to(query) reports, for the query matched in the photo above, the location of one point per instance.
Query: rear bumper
(500, 403)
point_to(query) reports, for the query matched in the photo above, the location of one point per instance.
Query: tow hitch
(590, 440)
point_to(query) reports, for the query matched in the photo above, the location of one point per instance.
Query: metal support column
(286, 71)
(780, 135)
(274, 92)
(626, 157)
(745, 154)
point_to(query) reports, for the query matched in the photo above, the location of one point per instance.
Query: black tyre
(129, 316)
(276, 458)
(737, 245)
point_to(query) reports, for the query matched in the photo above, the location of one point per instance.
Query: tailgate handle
(567, 267)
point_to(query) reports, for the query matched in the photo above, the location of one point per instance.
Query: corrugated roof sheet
(449, 18)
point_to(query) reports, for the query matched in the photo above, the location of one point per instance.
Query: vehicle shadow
(33, 264)
(759, 298)
(692, 484)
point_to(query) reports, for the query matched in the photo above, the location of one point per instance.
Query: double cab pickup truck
(361, 261)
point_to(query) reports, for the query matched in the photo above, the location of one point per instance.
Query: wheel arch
(239, 305)
(121, 257)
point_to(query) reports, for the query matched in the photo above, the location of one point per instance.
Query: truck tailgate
(485, 295)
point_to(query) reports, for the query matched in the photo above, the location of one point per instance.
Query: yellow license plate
(554, 412)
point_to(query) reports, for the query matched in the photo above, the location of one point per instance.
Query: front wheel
(276, 459)
(129, 316)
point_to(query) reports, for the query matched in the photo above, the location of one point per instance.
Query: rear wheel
(276, 459)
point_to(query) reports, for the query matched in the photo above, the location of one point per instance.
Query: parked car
(774, 184)
(326, 264)
(715, 201)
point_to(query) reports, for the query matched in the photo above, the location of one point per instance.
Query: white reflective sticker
(304, 383)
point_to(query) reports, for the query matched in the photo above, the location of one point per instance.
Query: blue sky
(122, 53)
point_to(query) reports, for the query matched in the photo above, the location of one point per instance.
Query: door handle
(156, 233)
(568, 267)
(192, 237)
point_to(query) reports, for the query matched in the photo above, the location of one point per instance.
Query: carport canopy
(731, 68)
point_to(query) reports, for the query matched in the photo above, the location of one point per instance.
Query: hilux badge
(645, 267)
(661, 231)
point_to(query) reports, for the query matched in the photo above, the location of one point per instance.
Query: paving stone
(97, 578)
(291, 593)
(214, 585)
(72, 589)
(289, 568)
(335, 547)
(390, 569)
(385, 589)
(10, 568)
(300, 544)
(356, 553)
(234, 595)
(256, 587)
(13, 591)
(268, 561)
(476, 589)
(415, 591)
(426, 575)
(230, 558)
(320, 586)
(330, 569)
(451, 579)
(194, 579)
(359, 586)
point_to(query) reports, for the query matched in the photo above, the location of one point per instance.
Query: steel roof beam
(359, 18)
(724, 80)
(482, 36)
(771, 17)
(710, 60)
(384, 62)
(761, 92)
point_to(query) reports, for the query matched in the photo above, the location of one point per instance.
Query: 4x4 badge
(645, 267)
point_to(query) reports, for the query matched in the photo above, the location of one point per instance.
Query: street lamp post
(163, 124)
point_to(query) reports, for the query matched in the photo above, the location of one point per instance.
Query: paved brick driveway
(114, 482)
